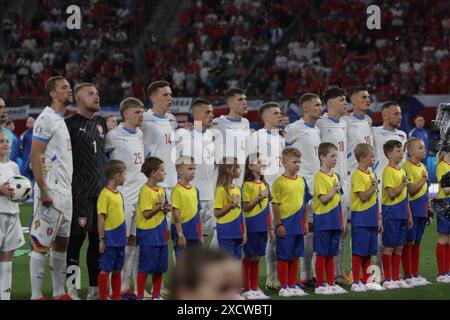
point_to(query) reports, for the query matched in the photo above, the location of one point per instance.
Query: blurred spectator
(25, 147)
(14, 143)
(419, 131)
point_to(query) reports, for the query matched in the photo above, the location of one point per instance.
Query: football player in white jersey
(270, 144)
(198, 143)
(232, 132)
(304, 135)
(125, 143)
(333, 129)
(51, 140)
(359, 124)
(159, 134)
(392, 118)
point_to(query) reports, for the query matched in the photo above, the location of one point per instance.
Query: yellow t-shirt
(151, 231)
(415, 174)
(364, 214)
(394, 209)
(229, 226)
(291, 195)
(110, 204)
(185, 198)
(326, 216)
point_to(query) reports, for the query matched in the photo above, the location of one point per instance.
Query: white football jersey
(51, 128)
(128, 146)
(380, 137)
(7, 170)
(306, 138)
(336, 132)
(359, 130)
(159, 141)
(200, 146)
(270, 145)
(231, 138)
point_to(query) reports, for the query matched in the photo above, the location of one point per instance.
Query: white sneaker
(373, 286)
(412, 282)
(358, 287)
(93, 294)
(158, 298)
(285, 292)
(297, 291)
(422, 281)
(73, 293)
(403, 285)
(260, 295)
(338, 289)
(443, 279)
(249, 295)
(323, 289)
(390, 285)
(448, 277)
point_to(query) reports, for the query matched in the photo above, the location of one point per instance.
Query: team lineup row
(334, 148)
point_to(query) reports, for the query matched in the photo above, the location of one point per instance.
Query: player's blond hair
(290, 152)
(129, 103)
(362, 150)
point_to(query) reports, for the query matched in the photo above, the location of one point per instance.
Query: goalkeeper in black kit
(87, 133)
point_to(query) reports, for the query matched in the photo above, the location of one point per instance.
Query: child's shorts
(189, 244)
(443, 225)
(394, 232)
(326, 242)
(256, 244)
(290, 247)
(364, 241)
(418, 229)
(232, 246)
(112, 259)
(153, 259)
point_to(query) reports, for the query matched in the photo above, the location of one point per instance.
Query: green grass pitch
(21, 278)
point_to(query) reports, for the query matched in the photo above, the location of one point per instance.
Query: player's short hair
(325, 148)
(189, 271)
(155, 85)
(151, 164)
(307, 97)
(411, 141)
(8, 122)
(183, 160)
(81, 86)
(419, 116)
(362, 150)
(356, 89)
(290, 152)
(388, 104)
(333, 92)
(113, 168)
(50, 85)
(109, 116)
(200, 102)
(391, 145)
(266, 106)
(129, 103)
(232, 92)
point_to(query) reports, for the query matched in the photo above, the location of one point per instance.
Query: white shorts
(11, 235)
(207, 215)
(345, 202)
(130, 206)
(62, 202)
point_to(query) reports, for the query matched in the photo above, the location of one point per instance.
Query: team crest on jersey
(49, 231)
(100, 131)
(82, 221)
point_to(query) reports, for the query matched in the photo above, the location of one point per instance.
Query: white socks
(307, 261)
(5, 280)
(271, 261)
(37, 262)
(128, 268)
(58, 271)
